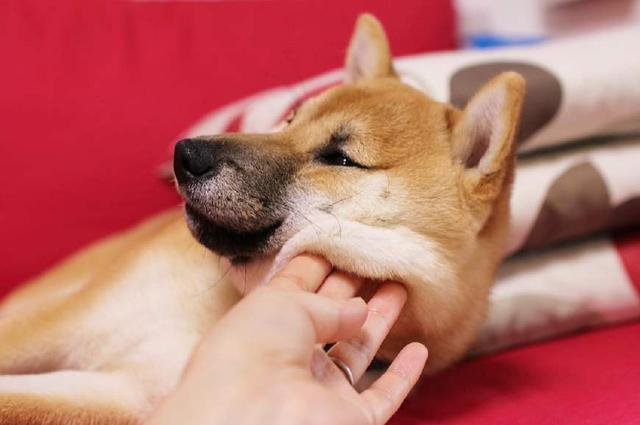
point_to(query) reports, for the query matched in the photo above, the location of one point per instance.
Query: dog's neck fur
(372, 252)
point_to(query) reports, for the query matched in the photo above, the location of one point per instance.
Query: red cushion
(592, 378)
(92, 92)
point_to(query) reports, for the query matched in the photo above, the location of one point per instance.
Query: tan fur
(127, 311)
(23, 409)
(118, 324)
(73, 273)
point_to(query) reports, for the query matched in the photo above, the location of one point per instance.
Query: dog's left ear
(368, 55)
(484, 139)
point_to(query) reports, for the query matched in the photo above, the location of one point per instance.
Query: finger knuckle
(400, 374)
(359, 346)
(381, 316)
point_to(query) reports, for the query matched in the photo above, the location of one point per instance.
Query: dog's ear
(368, 55)
(484, 138)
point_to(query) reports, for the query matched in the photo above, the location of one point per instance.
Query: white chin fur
(372, 252)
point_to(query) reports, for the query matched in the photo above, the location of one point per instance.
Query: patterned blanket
(575, 192)
(576, 286)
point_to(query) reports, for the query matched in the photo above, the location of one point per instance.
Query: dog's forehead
(383, 111)
(367, 99)
(382, 124)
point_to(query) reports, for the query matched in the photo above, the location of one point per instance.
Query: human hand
(261, 363)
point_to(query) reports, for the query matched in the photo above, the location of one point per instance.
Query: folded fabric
(575, 192)
(577, 88)
(487, 23)
(585, 284)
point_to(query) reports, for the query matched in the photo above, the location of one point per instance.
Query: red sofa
(93, 92)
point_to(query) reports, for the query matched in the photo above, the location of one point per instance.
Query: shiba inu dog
(373, 175)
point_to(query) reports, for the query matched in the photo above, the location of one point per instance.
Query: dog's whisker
(339, 224)
(244, 283)
(220, 279)
(307, 219)
(318, 228)
(326, 207)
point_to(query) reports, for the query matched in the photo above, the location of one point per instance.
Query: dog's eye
(339, 158)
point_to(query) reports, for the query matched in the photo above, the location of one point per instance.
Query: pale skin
(262, 363)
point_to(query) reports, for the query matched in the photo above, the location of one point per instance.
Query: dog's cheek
(373, 198)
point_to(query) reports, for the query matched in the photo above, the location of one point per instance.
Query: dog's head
(372, 167)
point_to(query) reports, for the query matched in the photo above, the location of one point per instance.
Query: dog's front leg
(32, 342)
(78, 270)
(71, 398)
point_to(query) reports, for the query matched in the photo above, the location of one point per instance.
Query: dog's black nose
(194, 159)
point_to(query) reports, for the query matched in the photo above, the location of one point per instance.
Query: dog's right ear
(483, 140)
(368, 55)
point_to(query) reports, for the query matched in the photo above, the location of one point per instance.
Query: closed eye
(336, 157)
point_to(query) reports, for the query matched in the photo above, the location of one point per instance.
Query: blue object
(487, 41)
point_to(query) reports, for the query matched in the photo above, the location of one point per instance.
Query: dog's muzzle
(235, 193)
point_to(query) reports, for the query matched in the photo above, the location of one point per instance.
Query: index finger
(306, 272)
